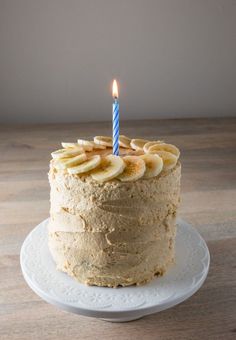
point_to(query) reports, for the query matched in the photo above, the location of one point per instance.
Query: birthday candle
(116, 128)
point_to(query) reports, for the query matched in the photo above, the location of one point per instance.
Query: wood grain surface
(208, 202)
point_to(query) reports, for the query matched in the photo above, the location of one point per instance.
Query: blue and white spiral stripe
(116, 128)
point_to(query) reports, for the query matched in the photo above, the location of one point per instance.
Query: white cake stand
(116, 304)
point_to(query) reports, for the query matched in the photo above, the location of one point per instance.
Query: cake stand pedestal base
(121, 304)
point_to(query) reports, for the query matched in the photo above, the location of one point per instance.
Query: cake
(113, 218)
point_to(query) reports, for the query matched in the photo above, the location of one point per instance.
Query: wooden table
(208, 201)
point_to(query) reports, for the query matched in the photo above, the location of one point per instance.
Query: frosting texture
(114, 232)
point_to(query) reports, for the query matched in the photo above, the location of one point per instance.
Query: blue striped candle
(116, 118)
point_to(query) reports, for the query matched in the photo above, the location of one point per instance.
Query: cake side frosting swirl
(113, 233)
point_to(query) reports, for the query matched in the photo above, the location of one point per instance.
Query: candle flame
(115, 89)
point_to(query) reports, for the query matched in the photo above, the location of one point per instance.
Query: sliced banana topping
(149, 144)
(103, 140)
(57, 163)
(69, 145)
(124, 141)
(124, 151)
(169, 160)
(90, 164)
(134, 169)
(137, 144)
(98, 146)
(110, 167)
(164, 147)
(70, 162)
(64, 153)
(134, 152)
(84, 142)
(58, 153)
(72, 145)
(154, 165)
(138, 158)
(90, 144)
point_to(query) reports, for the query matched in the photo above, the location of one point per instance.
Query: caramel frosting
(114, 232)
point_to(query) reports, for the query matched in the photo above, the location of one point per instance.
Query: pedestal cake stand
(181, 281)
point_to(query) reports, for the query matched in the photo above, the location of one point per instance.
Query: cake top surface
(138, 158)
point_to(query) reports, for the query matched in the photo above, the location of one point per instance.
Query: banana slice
(134, 152)
(154, 165)
(110, 167)
(134, 169)
(137, 144)
(57, 162)
(90, 164)
(149, 144)
(58, 153)
(86, 144)
(69, 145)
(91, 144)
(70, 162)
(124, 151)
(164, 147)
(169, 160)
(124, 141)
(83, 142)
(98, 146)
(72, 145)
(64, 153)
(103, 140)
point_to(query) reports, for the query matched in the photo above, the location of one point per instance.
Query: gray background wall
(172, 58)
